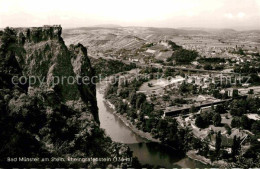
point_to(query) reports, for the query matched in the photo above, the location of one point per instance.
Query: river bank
(128, 123)
(192, 154)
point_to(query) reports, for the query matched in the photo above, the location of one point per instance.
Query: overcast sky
(237, 14)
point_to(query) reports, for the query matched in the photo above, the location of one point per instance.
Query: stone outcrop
(40, 52)
(85, 75)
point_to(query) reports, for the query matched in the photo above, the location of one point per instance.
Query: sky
(235, 14)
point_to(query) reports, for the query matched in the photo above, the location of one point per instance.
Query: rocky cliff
(42, 54)
(46, 118)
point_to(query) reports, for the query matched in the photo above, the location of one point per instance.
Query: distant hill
(252, 31)
(210, 30)
(107, 26)
(177, 31)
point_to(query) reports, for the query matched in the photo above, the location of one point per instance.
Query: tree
(216, 94)
(121, 107)
(183, 87)
(254, 78)
(162, 128)
(219, 67)
(173, 45)
(140, 99)
(220, 109)
(207, 118)
(212, 107)
(132, 98)
(235, 123)
(196, 143)
(218, 143)
(166, 97)
(132, 113)
(208, 67)
(150, 85)
(204, 150)
(192, 109)
(168, 72)
(241, 52)
(123, 92)
(216, 119)
(256, 127)
(235, 93)
(235, 147)
(110, 90)
(147, 108)
(183, 56)
(245, 122)
(162, 125)
(225, 95)
(200, 90)
(199, 122)
(251, 91)
(8, 40)
(228, 129)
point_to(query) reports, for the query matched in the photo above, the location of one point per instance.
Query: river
(147, 152)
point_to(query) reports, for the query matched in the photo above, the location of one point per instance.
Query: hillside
(102, 39)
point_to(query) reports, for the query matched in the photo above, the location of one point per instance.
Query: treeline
(239, 108)
(212, 63)
(174, 46)
(108, 67)
(212, 60)
(212, 116)
(247, 68)
(209, 66)
(183, 56)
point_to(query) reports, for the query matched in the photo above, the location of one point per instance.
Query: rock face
(48, 119)
(43, 55)
(87, 87)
